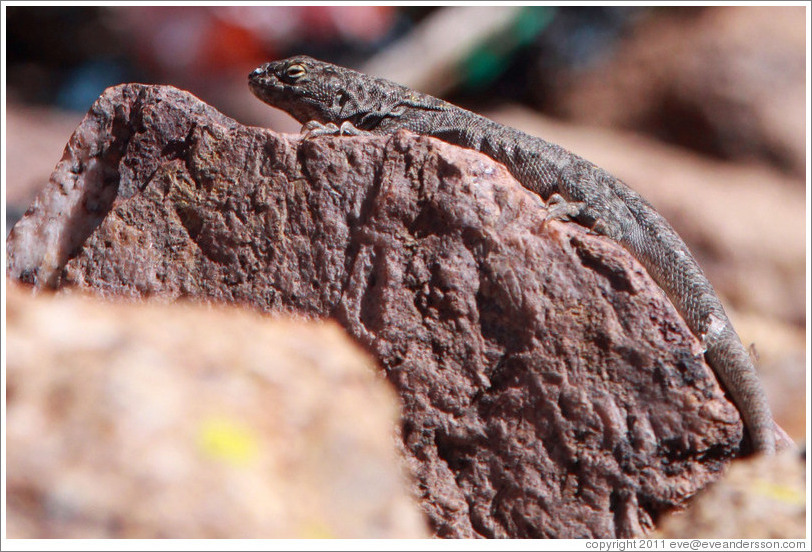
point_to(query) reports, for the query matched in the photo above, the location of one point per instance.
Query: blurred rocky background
(701, 109)
(188, 421)
(759, 498)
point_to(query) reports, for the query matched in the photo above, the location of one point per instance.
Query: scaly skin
(327, 98)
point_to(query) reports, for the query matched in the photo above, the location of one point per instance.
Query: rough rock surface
(182, 421)
(549, 387)
(758, 498)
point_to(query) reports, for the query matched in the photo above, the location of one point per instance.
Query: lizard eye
(295, 72)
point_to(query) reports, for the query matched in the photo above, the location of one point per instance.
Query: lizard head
(312, 90)
(296, 85)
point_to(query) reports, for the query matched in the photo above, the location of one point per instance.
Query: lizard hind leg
(560, 208)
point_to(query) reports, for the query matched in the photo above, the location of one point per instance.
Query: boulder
(549, 388)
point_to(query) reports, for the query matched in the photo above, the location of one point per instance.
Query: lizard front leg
(311, 129)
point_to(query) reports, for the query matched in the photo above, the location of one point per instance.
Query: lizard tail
(733, 365)
(668, 260)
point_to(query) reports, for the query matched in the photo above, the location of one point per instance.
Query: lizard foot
(559, 208)
(312, 129)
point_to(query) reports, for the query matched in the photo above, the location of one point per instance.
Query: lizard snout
(257, 72)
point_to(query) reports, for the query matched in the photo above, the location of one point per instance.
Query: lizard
(331, 99)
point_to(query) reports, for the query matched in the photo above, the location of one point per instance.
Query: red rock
(549, 387)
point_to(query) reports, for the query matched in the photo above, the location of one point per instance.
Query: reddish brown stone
(549, 387)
